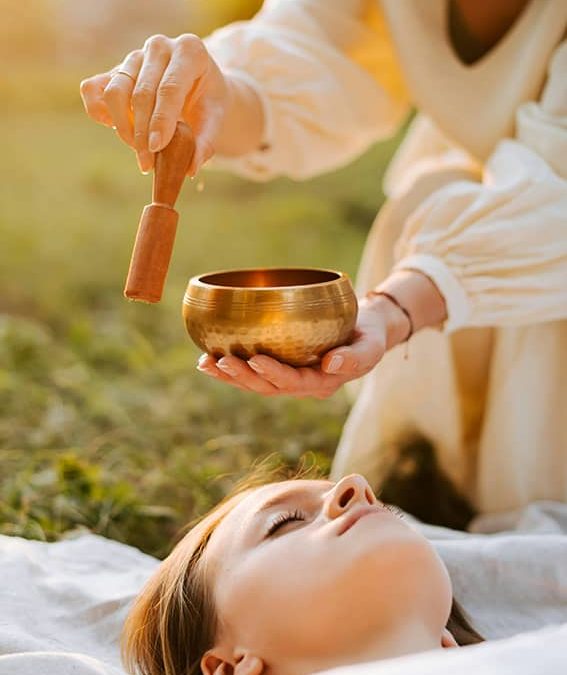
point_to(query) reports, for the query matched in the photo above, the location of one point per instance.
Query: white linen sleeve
(321, 108)
(497, 250)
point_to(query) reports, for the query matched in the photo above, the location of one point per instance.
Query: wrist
(418, 295)
(397, 324)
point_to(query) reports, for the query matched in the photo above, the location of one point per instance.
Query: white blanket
(62, 604)
(70, 596)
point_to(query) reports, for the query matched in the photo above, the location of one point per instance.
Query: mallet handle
(158, 224)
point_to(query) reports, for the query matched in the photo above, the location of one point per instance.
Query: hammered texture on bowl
(295, 324)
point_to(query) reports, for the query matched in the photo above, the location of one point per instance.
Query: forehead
(262, 500)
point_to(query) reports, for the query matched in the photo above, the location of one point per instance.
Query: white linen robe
(477, 200)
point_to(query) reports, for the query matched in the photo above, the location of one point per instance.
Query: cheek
(303, 593)
(288, 600)
(399, 573)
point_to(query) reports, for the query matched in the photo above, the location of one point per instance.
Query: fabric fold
(502, 241)
(322, 108)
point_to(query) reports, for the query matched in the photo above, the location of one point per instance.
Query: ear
(248, 664)
(447, 639)
(214, 663)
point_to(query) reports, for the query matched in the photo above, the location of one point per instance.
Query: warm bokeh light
(70, 33)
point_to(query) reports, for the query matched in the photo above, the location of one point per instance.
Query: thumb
(203, 152)
(205, 129)
(355, 359)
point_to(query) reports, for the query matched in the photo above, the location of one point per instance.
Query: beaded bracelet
(396, 302)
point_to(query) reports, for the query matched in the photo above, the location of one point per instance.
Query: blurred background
(104, 422)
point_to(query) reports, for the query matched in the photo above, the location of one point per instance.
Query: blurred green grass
(104, 422)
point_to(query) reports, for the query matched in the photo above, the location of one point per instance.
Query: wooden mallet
(158, 224)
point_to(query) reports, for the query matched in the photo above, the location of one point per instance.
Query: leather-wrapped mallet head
(158, 224)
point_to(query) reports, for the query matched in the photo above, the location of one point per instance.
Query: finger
(92, 95)
(118, 95)
(188, 63)
(241, 372)
(355, 359)
(296, 381)
(207, 365)
(156, 58)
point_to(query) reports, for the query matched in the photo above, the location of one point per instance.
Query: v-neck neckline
(494, 54)
(451, 6)
(474, 105)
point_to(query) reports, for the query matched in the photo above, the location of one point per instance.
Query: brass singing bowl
(292, 314)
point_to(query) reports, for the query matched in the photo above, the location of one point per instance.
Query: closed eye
(282, 520)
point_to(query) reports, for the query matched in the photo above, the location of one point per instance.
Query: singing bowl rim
(198, 281)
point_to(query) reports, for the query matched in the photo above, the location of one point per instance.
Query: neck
(411, 638)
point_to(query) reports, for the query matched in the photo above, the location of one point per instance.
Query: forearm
(243, 124)
(418, 295)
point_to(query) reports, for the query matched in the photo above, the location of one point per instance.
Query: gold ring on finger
(124, 72)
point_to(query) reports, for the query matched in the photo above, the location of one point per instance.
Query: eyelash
(297, 515)
(284, 518)
(395, 510)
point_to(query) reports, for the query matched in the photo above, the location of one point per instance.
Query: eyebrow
(282, 498)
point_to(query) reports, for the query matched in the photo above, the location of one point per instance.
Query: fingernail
(155, 141)
(257, 367)
(335, 363)
(143, 164)
(227, 369)
(194, 167)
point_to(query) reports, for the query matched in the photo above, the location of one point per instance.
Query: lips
(349, 519)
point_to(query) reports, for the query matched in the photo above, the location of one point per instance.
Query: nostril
(346, 497)
(369, 496)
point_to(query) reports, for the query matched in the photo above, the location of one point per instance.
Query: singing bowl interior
(268, 278)
(292, 314)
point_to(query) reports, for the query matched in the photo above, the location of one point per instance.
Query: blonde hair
(173, 621)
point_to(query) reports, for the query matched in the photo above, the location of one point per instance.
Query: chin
(398, 553)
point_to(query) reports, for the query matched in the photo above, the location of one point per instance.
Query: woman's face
(308, 574)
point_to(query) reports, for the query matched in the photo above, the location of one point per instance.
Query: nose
(350, 490)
